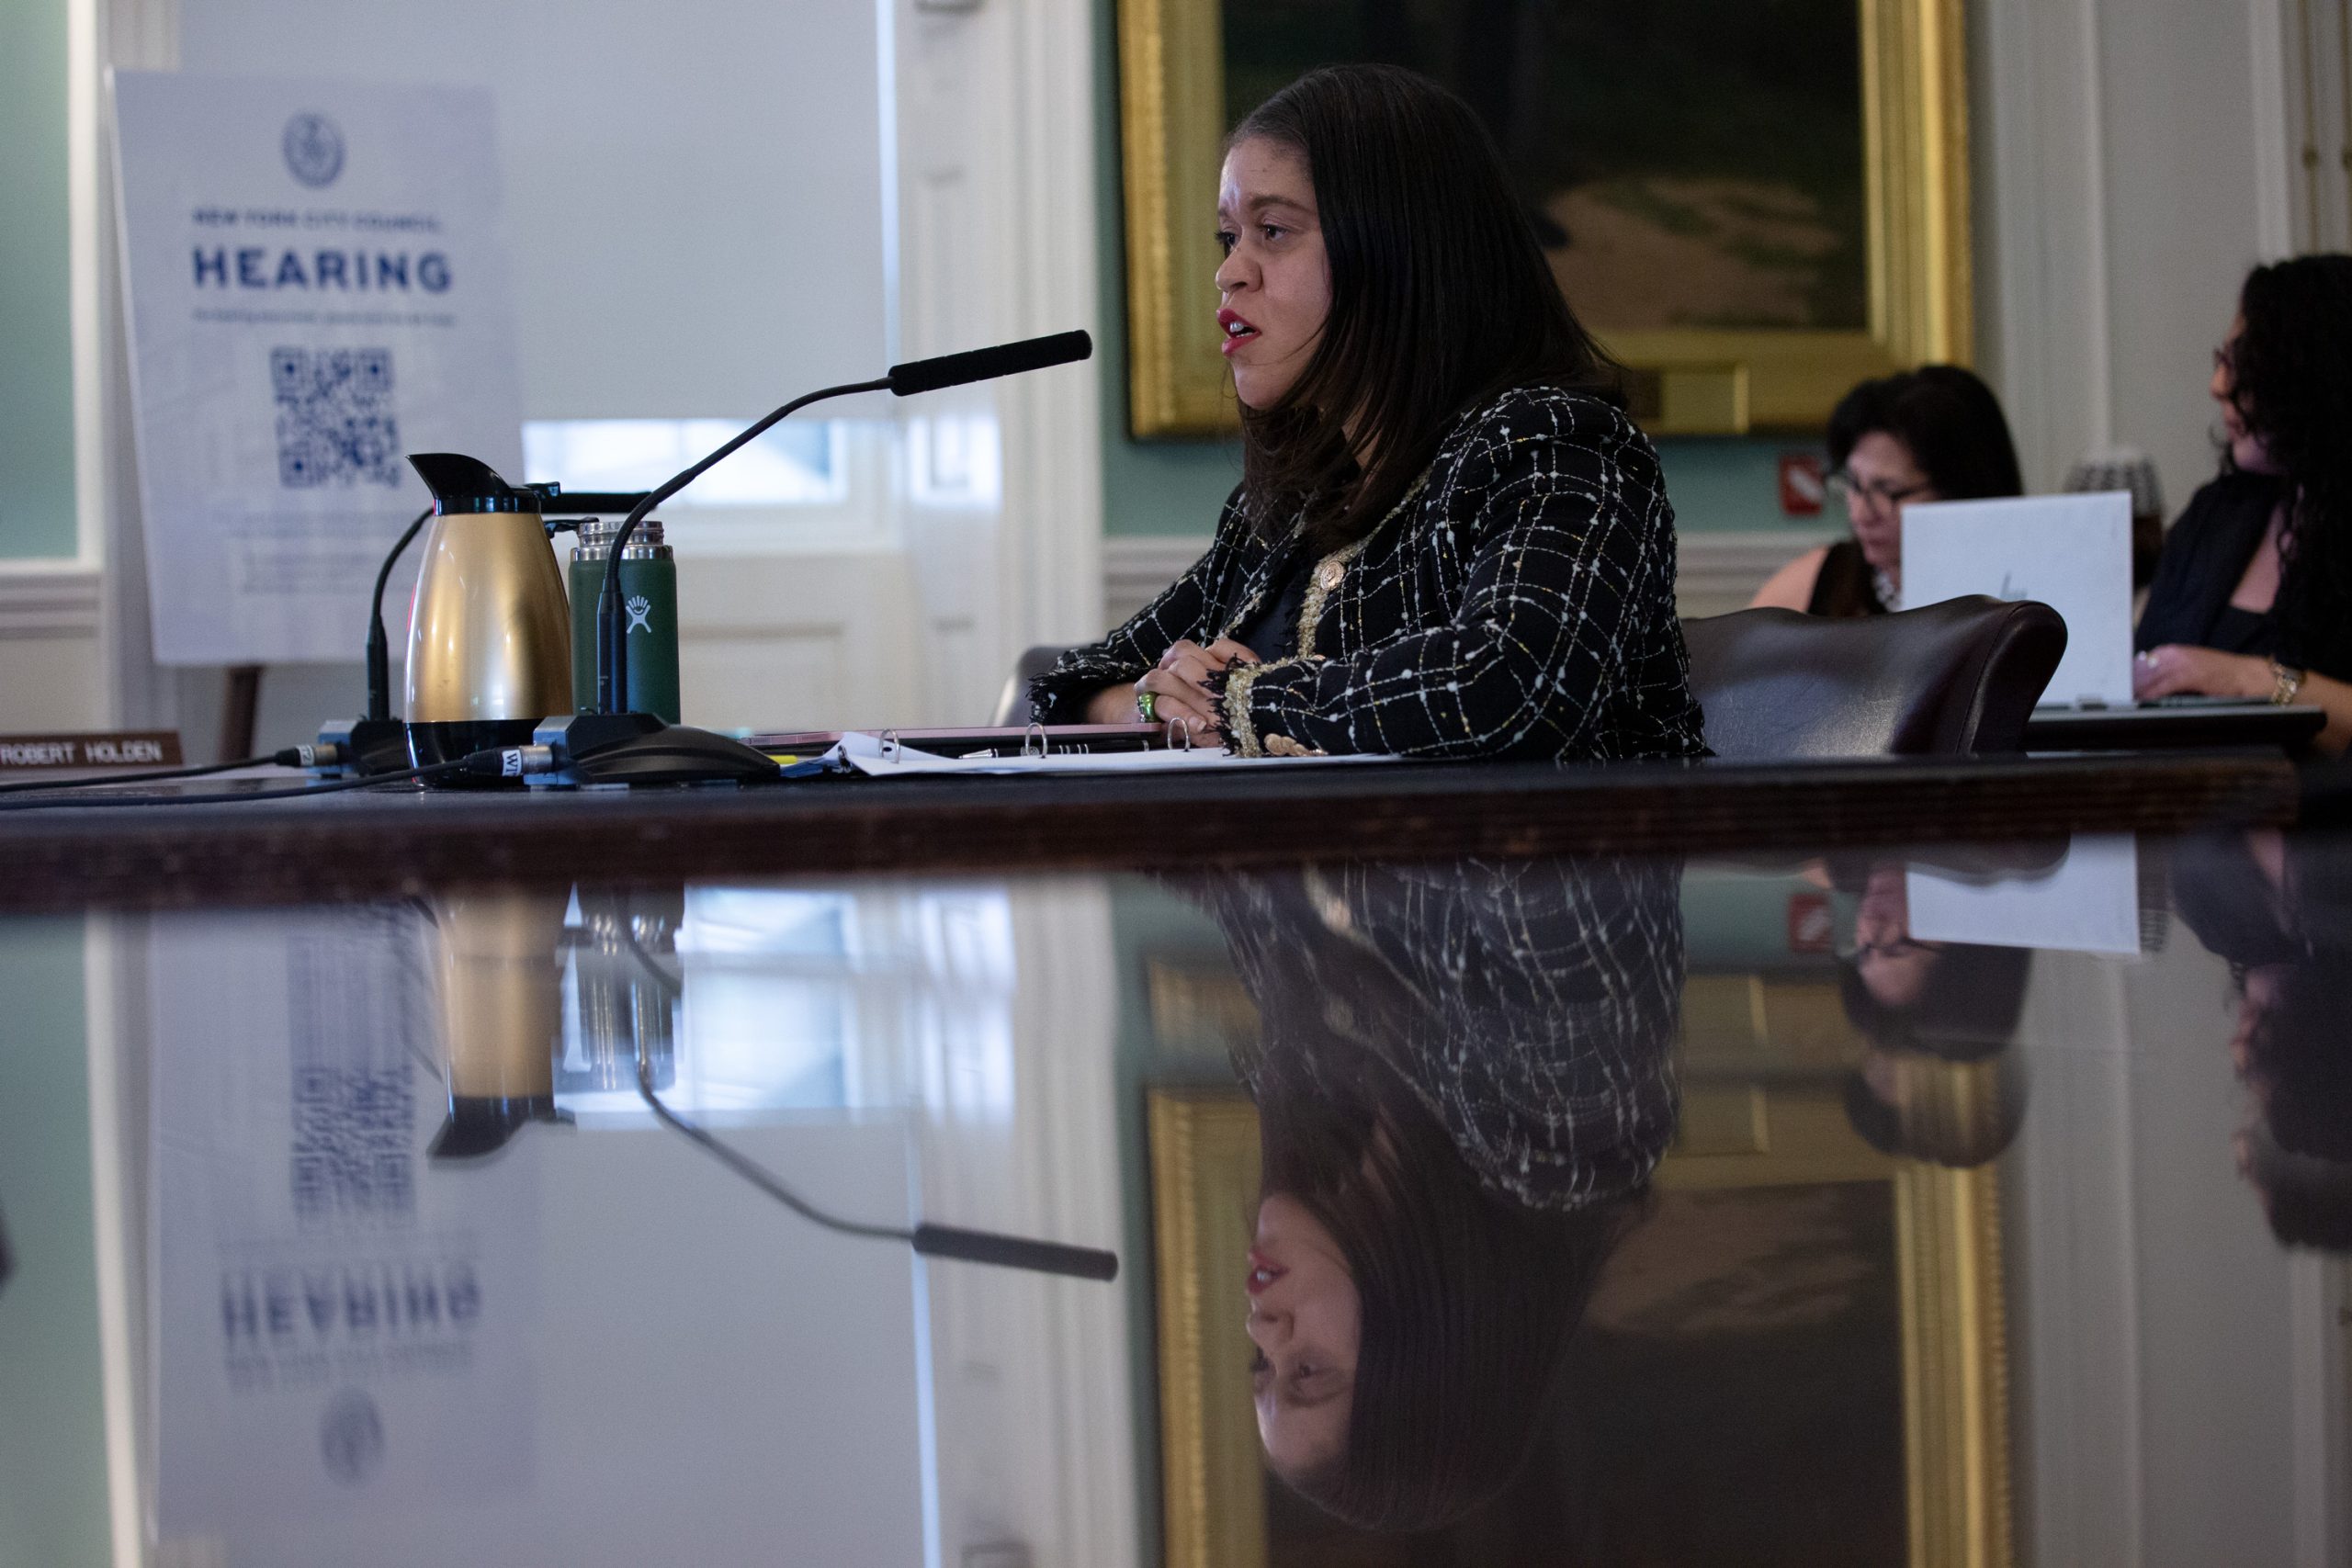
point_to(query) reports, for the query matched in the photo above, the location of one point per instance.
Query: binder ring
(891, 746)
(1036, 732)
(1184, 727)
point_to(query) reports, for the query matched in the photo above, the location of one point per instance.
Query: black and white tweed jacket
(1531, 1006)
(1519, 602)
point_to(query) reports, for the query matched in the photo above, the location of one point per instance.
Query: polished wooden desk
(372, 844)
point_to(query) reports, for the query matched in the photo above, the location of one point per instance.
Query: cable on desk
(511, 762)
(323, 754)
(157, 776)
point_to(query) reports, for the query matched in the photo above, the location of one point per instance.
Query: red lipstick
(1228, 321)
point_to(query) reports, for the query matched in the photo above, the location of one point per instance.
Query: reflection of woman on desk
(1448, 540)
(1936, 1081)
(2281, 911)
(2253, 595)
(1462, 1086)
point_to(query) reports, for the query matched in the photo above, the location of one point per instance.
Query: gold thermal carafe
(489, 630)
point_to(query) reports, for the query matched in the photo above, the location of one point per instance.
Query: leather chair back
(1955, 679)
(1013, 703)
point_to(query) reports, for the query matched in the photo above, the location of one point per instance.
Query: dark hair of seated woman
(1448, 540)
(2252, 593)
(1440, 297)
(1933, 433)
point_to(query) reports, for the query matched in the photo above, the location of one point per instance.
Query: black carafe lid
(479, 1125)
(461, 484)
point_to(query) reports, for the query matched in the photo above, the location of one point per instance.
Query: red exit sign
(1803, 486)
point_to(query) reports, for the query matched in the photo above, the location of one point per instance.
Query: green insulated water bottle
(649, 590)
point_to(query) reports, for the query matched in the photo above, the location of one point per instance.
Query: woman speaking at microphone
(1448, 540)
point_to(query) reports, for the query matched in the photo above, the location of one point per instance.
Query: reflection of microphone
(929, 1240)
(904, 380)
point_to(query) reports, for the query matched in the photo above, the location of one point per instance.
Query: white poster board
(340, 1327)
(318, 285)
(2071, 552)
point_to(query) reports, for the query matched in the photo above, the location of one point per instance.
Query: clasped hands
(1178, 687)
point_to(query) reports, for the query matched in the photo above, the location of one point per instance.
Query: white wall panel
(694, 192)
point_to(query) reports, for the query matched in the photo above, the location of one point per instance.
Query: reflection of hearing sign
(314, 149)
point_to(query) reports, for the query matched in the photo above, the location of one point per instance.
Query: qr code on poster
(334, 417)
(354, 1094)
(352, 1132)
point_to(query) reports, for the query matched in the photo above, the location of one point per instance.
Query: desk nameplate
(90, 752)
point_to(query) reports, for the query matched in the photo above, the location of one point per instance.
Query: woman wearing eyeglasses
(1933, 433)
(2253, 596)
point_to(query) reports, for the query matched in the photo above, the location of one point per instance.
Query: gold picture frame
(1687, 381)
(1204, 1163)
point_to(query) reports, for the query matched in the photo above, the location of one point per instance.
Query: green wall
(1177, 487)
(35, 342)
(52, 1444)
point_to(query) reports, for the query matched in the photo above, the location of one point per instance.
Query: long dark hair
(1468, 1300)
(2292, 366)
(1440, 297)
(1949, 420)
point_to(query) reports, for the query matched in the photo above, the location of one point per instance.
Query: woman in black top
(1449, 541)
(1933, 433)
(2253, 596)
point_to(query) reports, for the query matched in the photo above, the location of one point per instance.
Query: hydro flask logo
(314, 149)
(639, 609)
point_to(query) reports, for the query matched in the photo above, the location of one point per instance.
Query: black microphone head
(987, 363)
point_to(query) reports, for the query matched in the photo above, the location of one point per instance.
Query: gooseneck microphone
(380, 659)
(612, 655)
(904, 380)
(987, 363)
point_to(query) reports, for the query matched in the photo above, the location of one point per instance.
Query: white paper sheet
(2071, 552)
(2089, 902)
(864, 752)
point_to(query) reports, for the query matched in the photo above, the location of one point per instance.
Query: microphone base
(368, 747)
(643, 749)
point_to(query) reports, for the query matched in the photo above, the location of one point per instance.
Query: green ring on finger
(1145, 702)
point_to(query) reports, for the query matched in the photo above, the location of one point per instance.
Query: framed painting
(1805, 1331)
(1754, 203)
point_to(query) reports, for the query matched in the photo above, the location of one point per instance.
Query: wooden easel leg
(238, 711)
